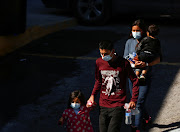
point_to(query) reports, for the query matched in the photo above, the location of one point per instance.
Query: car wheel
(92, 12)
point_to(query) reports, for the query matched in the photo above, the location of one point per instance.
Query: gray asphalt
(36, 80)
(39, 15)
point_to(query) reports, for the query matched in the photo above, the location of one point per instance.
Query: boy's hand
(91, 99)
(132, 105)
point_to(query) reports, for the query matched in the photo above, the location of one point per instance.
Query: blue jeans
(143, 90)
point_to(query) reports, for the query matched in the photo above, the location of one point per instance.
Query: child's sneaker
(142, 80)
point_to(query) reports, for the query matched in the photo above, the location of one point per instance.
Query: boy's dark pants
(110, 119)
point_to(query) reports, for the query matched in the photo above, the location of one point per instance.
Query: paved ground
(36, 80)
(43, 73)
(39, 15)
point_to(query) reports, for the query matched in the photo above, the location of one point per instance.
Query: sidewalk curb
(10, 43)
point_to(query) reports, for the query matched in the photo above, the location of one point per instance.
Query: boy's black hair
(106, 44)
(153, 30)
(76, 94)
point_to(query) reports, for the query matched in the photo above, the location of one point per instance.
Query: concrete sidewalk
(41, 21)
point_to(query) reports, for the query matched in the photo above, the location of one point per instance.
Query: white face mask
(136, 35)
(107, 57)
(75, 105)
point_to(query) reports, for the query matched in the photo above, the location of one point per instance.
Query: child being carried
(147, 50)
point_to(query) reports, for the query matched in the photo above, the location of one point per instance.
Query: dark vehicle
(99, 11)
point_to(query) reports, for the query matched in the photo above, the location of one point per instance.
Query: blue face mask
(136, 35)
(75, 105)
(107, 57)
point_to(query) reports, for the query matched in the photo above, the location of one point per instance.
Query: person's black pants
(110, 119)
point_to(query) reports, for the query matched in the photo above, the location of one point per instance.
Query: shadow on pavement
(70, 42)
(173, 126)
(24, 78)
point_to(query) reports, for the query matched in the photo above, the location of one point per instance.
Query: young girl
(77, 114)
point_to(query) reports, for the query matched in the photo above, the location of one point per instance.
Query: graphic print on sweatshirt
(110, 82)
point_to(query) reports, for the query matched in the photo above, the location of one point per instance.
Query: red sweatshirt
(110, 80)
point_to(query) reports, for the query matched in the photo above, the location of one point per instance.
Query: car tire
(92, 12)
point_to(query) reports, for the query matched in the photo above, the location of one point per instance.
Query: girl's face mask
(75, 105)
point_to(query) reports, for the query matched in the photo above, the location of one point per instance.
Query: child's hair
(106, 44)
(76, 94)
(153, 30)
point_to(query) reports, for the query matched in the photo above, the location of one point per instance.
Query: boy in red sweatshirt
(110, 80)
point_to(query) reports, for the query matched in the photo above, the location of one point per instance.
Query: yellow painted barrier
(10, 43)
